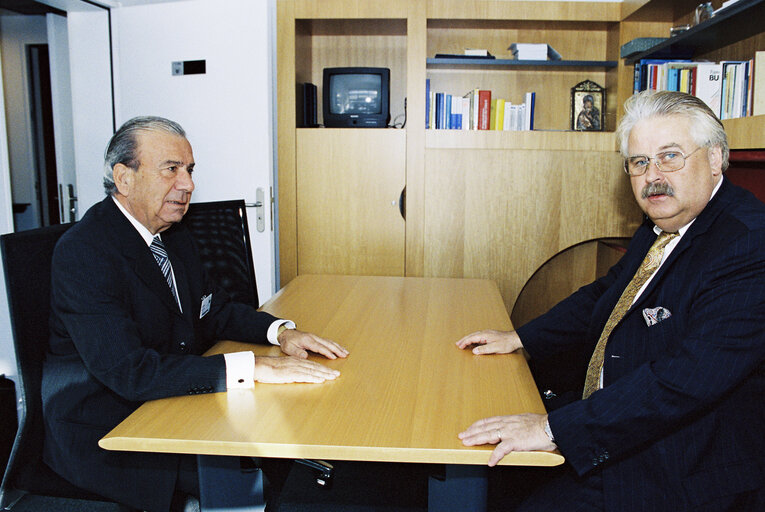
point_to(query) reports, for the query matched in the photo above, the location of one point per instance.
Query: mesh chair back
(222, 237)
(27, 259)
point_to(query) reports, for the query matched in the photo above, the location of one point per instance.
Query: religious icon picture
(587, 102)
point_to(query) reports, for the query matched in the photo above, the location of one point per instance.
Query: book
(709, 84)
(477, 52)
(427, 103)
(758, 84)
(534, 51)
(466, 113)
(529, 111)
(484, 109)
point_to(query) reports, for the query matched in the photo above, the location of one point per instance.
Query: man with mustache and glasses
(132, 311)
(668, 411)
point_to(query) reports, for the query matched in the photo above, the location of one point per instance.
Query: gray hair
(706, 128)
(123, 146)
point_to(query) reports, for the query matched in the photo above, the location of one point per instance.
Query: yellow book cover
(493, 116)
(499, 122)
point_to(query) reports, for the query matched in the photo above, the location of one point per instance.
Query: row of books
(727, 87)
(477, 110)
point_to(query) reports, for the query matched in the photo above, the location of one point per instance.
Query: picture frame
(588, 100)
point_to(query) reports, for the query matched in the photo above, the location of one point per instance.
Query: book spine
(484, 109)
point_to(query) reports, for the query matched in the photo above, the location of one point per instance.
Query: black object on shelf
(734, 23)
(466, 57)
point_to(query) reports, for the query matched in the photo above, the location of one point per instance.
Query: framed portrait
(587, 102)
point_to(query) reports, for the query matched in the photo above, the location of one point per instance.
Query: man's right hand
(490, 341)
(283, 370)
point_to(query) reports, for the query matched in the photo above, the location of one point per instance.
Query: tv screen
(355, 94)
(356, 97)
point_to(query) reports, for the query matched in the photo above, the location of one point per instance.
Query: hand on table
(298, 343)
(490, 341)
(518, 433)
(283, 370)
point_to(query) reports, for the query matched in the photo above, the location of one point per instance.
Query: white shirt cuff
(240, 370)
(273, 330)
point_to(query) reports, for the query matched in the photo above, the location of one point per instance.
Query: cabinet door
(348, 187)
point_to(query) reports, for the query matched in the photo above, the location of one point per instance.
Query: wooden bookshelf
(485, 204)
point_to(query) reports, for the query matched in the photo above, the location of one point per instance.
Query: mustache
(657, 189)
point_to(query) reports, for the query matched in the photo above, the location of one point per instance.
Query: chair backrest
(27, 259)
(222, 236)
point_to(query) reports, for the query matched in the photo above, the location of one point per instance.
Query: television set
(356, 97)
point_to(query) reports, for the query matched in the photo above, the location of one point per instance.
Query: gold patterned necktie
(645, 271)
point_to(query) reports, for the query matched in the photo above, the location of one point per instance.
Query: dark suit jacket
(679, 423)
(118, 338)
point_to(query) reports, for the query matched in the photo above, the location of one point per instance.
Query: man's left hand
(298, 343)
(518, 433)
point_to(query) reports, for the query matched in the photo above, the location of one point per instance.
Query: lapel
(130, 245)
(700, 226)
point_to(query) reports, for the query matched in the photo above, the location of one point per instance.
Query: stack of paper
(533, 51)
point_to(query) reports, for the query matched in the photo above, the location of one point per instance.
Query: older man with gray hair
(132, 312)
(669, 413)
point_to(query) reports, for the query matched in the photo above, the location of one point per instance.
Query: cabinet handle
(402, 203)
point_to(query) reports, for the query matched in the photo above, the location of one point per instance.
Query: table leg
(464, 488)
(225, 487)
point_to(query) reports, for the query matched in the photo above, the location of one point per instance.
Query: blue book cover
(427, 103)
(439, 110)
(448, 112)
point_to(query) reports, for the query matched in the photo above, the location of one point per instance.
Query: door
(61, 102)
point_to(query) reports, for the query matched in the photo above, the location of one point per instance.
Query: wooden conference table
(404, 393)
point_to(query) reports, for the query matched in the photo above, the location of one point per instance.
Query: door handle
(72, 202)
(259, 205)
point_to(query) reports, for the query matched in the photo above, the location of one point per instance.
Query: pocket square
(655, 315)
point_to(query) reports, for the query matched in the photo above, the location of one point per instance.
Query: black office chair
(27, 259)
(220, 231)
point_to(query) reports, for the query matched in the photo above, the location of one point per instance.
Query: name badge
(206, 300)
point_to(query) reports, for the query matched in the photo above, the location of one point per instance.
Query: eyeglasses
(666, 161)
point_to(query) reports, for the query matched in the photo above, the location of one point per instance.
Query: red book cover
(484, 109)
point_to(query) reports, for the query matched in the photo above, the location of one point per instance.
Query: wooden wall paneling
(415, 138)
(286, 115)
(525, 10)
(500, 214)
(348, 186)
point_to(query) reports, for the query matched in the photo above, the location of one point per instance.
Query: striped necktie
(160, 254)
(644, 272)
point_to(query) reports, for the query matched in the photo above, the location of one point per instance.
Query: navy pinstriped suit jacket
(118, 339)
(679, 423)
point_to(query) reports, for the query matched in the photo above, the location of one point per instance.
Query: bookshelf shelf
(735, 23)
(547, 140)
(459, 63)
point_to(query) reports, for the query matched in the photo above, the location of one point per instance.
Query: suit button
(595, 462)
(182, 345)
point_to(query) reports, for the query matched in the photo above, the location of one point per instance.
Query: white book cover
(465, 113)
(709, 84)
(507, 121)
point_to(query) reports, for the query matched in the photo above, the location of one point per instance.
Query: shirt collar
(682, 230)
(142, 230)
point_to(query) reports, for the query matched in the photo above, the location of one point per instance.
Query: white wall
(226, 112)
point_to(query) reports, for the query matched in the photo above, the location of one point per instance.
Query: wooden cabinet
(480, 204)
(348, 187)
